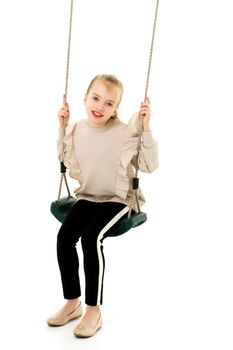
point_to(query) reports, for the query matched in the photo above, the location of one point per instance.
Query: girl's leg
(68, 261)
(94, 262)
(67, 256)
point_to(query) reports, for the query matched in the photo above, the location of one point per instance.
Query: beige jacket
(102, 159)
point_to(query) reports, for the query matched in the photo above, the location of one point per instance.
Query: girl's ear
(85, 98)
(114, 115)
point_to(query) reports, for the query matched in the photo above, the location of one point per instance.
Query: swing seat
(126, 224)
(60, 208)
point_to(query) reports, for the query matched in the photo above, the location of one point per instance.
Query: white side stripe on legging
(101, 234)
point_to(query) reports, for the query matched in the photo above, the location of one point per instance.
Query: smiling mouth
(97, 115)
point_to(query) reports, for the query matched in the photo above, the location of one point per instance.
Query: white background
(168, 284)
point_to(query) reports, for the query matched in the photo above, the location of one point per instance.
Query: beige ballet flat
(62, 320)
(86, 332)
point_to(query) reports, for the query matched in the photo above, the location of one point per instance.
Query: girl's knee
(91, 244)
(66, 237)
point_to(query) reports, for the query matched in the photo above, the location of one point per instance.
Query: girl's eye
(95, 98)
(110, 104)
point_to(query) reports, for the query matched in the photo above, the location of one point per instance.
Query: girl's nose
(100, 108)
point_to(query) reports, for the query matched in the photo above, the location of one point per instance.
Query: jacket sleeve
(65, 145)
(60, 145)
(148, 154)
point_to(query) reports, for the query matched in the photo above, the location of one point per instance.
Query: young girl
(100, 153)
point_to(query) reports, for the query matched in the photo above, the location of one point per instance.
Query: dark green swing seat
(125, 224)
(61, 207)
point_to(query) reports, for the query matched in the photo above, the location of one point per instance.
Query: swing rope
(68, 49)
(135, 183)
(151, 49)
(63, 167)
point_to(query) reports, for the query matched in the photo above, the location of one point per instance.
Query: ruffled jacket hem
(66, 151)
(147, 160)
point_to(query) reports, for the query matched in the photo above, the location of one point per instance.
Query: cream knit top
(102, 158)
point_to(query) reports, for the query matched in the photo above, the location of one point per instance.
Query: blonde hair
(112, 79)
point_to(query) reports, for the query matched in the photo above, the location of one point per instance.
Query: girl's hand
(64, 114)
(144, 113)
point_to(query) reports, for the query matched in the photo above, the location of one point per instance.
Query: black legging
(87, 220)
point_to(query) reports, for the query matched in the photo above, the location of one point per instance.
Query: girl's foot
(90, 323)
(71, 310)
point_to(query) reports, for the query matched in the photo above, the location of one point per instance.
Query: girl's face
(101, 103)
